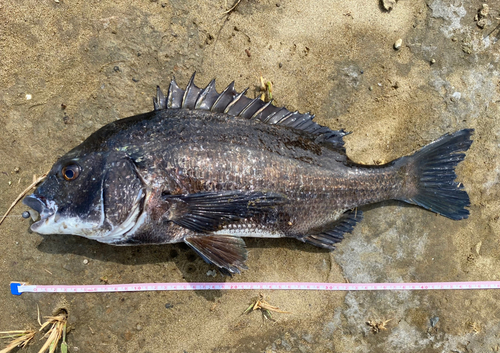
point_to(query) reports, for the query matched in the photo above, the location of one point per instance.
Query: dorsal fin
(231, 102)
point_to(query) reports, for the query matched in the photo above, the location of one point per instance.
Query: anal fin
(224, 251)
(328, 239)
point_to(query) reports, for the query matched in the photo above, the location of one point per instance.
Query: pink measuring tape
(17, 288)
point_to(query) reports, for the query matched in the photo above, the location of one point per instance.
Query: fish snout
(39, 207)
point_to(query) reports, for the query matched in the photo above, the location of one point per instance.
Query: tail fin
(434, 186)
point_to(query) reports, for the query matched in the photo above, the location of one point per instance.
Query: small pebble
(456, 96)
(482, 23)
(138, 327)
(16, 170)
(85, 261)
(434, 321)
(169, 306)
(398, 44)
(28, 96)
(478, 247)
(116, 68)
(307, 337)
(26, 214)
(433, 61)
(389, 4)
(485, 10)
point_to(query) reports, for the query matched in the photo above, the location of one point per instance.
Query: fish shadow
(191, 266)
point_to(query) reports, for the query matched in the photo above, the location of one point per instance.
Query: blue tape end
(14, 288)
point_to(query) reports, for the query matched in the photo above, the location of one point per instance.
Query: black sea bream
(208, 169)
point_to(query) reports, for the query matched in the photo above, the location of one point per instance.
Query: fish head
(96, 195)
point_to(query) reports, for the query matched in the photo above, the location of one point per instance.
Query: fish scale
(209, 169)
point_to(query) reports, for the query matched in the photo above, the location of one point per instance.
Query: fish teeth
(35, 216)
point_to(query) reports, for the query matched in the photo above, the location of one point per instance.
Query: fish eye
(70, 171)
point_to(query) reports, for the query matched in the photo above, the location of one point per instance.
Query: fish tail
(430, 176)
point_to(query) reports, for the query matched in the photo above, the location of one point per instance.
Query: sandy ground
(102, 61)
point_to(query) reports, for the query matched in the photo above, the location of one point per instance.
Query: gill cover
(123, 197)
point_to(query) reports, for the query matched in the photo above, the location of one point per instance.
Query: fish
(209, 169)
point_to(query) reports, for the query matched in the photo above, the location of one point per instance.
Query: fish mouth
(41, 208)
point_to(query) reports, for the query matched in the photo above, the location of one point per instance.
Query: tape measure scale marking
(17, 288)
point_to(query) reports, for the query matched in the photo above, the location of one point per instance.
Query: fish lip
(39, 206)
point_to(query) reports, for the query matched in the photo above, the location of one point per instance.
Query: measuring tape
(17, 288)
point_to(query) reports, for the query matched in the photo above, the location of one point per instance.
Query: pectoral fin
(224, 251)
(328, 239)
(208, 211)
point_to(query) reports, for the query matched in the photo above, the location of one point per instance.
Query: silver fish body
(208, 169)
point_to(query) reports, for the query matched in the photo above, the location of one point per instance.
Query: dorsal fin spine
(235, 100)
(269, 117)
(237, 104)
(244, 112)
(286, 117)
(187, 91)
(160, 101)
(175, 94)
(205, 95)
(217, 106)
(256, 114)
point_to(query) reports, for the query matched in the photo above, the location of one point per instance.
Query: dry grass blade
(20, 339)
(21, 195)
(38, 315)
(261, 304)
(232, 8)
(55, 328)
(378, 326)
(55, 332)
(64, 345)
